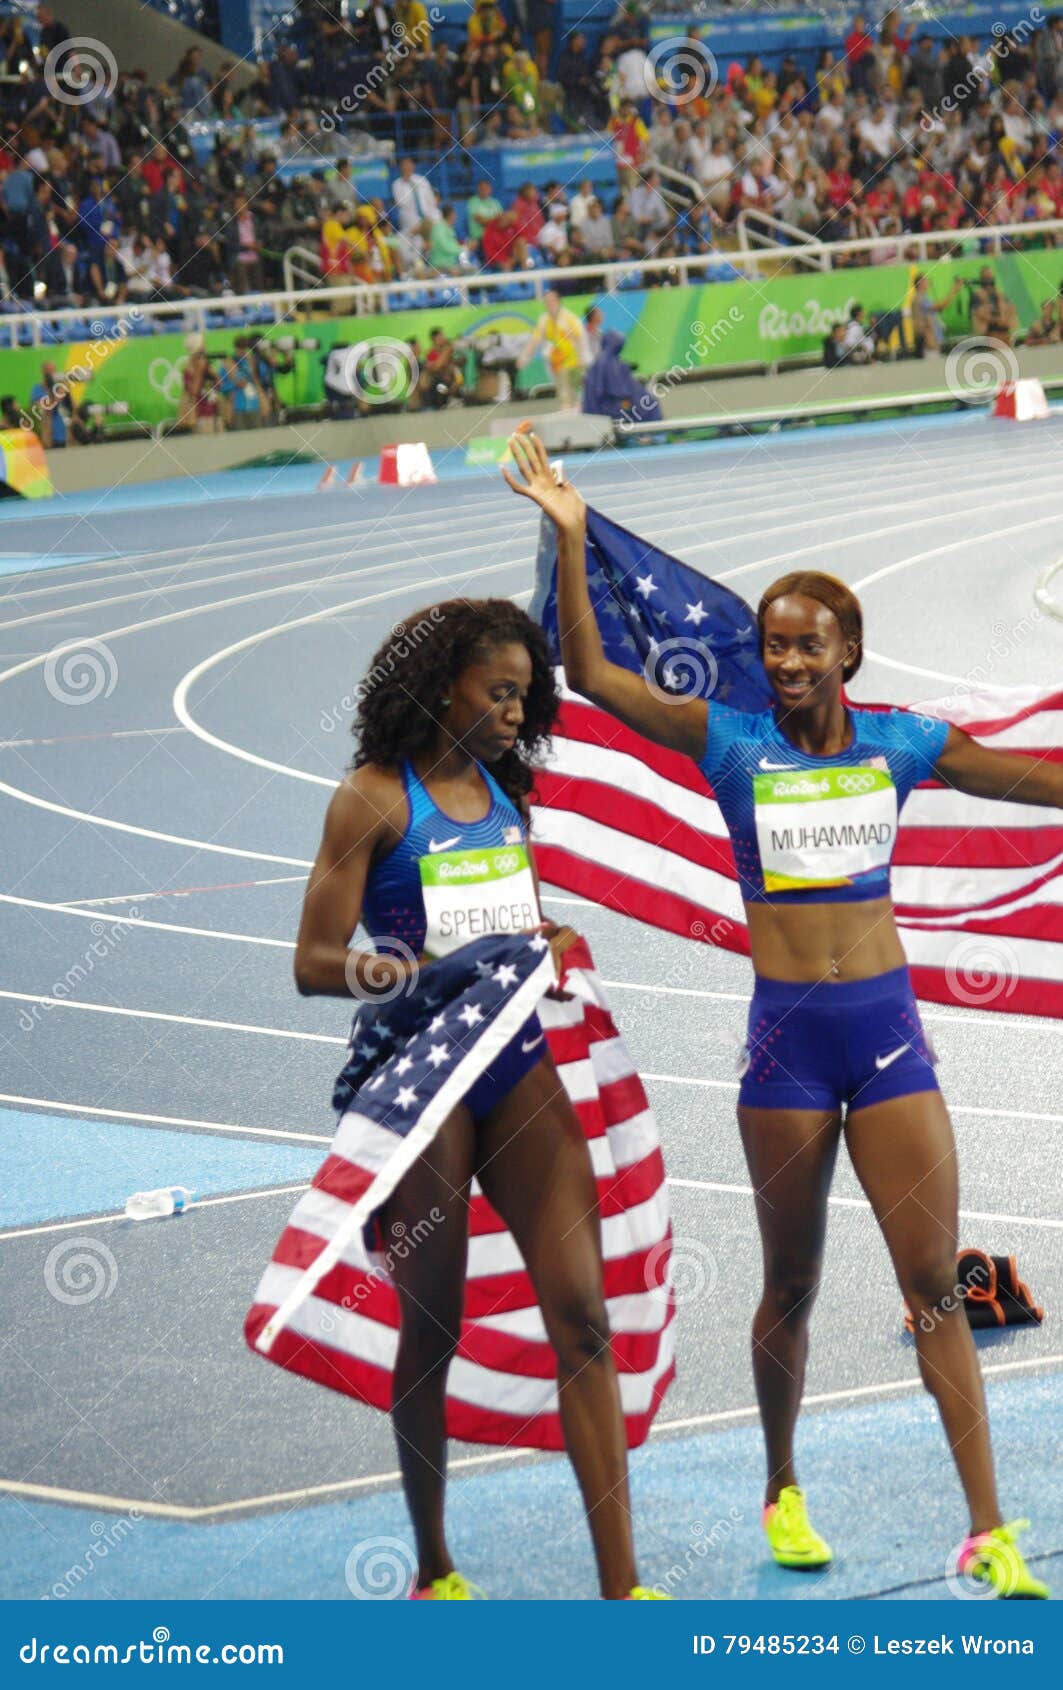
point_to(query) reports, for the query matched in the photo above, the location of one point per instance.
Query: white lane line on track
(333, 1039)
(466, 1463)
(185, 1020)
(713, 1188)
(229, 748)
(72, 739)
(120, 1215)
(738, 481)
(187, 720)
(309, 539)
(197, 610)
(256, 571)
(189, 891)
(44, 1103)
(1030, 1024)
(984, 1019)
(141, 921)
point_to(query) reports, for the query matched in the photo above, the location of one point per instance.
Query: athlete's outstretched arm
(682, 724)
(985, 773)
(357, 818)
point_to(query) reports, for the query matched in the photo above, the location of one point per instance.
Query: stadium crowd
(102, 200)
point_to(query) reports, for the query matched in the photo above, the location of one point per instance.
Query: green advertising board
(669, 332)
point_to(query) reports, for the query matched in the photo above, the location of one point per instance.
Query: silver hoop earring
(444, 703)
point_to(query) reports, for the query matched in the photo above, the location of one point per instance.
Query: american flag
(326, 1309)
(976, 883)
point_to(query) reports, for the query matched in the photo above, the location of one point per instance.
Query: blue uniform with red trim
(825, 1044)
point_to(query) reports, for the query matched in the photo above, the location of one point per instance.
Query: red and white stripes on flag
(501, 1389)
(976, 883)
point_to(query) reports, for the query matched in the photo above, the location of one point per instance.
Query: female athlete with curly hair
(448, 725)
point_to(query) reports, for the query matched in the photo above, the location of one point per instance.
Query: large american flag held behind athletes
(326, 1309)
(976, 883)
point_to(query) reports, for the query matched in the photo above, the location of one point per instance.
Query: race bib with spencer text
(821, 827)
(474, 894)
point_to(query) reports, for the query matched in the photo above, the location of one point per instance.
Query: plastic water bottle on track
(168, 1200)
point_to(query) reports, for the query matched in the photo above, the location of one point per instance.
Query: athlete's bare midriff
(824, 941)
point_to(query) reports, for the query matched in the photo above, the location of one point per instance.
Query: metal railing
(756, 228)
(478, 287)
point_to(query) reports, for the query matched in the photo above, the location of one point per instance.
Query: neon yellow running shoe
(643, 1593)
(452, 1587)
(993, 1558)
(790, 1535)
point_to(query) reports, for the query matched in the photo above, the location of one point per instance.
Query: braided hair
(399, 703)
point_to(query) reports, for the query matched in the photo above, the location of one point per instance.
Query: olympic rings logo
(507, 863)
(853, 784)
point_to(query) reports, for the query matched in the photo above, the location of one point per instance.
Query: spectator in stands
(503, 246)
(98, 142)
(416, 207)
(627, 240)
(566, 351)
(191, 84)
(372, 256)
(204, 270)
(649, 209)
(107, 276)
(553, 237)
(594, 234)
(479, 211)
(528, 213)
(859, 56)
(520, 81)
(136, 256)
(439, 74)
(242, 247)
(98, 217)
(412, 22)
(715, 174)
(629, 135)
(585, 105)
(66, 277)
(878, 132)
(486, 23)
(536, 21)
(446, 254)
(926, 69)
(1049, 57)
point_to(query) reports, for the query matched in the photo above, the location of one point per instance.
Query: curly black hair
(399, 701)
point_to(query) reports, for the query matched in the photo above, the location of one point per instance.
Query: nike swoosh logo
(766, 765)
(530, 1044)
(443, 845)
(884, 1061)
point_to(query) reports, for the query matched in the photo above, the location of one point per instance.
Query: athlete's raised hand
(562, 503)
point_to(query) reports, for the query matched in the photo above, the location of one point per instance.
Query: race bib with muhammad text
(476, 893)
(821, 827)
